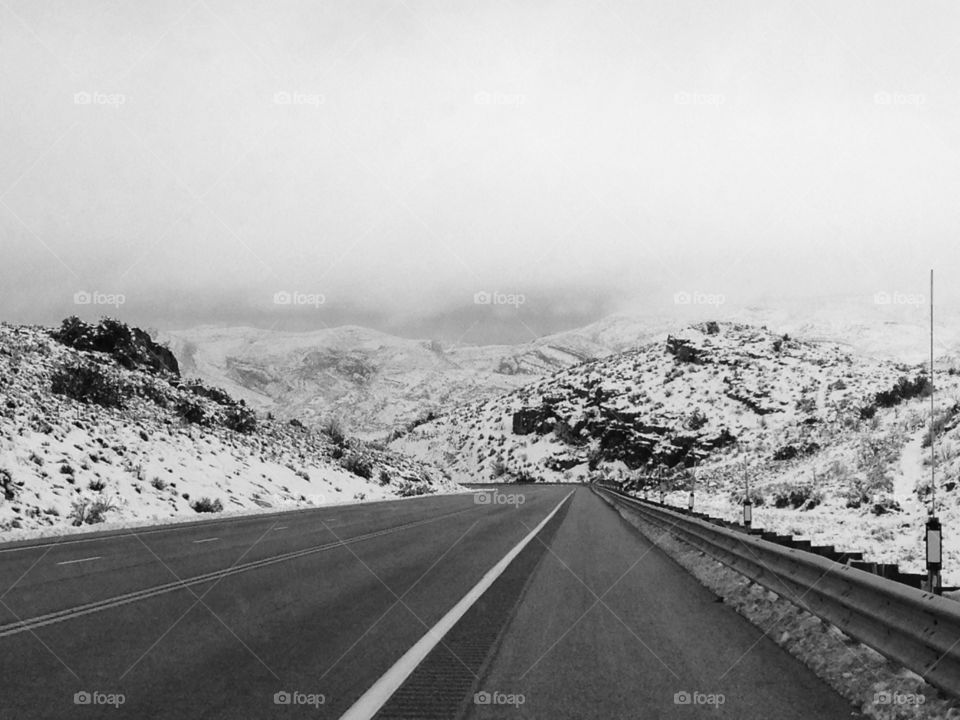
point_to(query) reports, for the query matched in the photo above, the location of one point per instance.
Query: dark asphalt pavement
(213, 620)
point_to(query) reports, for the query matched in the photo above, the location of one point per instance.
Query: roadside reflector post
(693, 486)
(934, 554)
(747, 505)
(933, 535)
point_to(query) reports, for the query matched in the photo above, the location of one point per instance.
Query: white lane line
(205, 540)
(376, 697)
(71, 562)
(282, 527)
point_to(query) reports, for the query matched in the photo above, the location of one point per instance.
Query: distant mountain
(379, 383)
(374, 382)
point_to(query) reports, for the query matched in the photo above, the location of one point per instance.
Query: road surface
(301, 614)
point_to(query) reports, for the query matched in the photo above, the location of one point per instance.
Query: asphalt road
(212, 620)
(611, 627)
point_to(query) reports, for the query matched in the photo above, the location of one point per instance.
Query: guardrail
(919, 630)
(890, 571)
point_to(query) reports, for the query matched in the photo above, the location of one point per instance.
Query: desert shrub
(411, 489)
(97, 484)
(192, 412)
(240, 418)
(875, 455)
(85, 511)
(806, 404)
(941, 421)
(498, 468)
(885, 505)
(206, 505)
(524, 476)
(904, 389)
(736, 497)
(159, 483)
(153, 393)
(358, 465)
(197, 387)
(98, 510)
(696, 420)
(333, 429)
(7, 484)
(87, 383)
(594, 456)
(796, 497)
(384, 477)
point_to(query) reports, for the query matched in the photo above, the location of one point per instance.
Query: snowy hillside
(833, 442)
(374, 382)
(114, 435)
(378, 383)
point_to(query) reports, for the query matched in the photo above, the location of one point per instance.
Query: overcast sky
(394, 158)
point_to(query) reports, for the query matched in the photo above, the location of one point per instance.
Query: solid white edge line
(372, 700)
(205, 540)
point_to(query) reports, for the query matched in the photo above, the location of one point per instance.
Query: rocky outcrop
(684, 350)
(131, 347)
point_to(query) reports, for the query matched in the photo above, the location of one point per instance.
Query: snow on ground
(835, 439)
(66, 464)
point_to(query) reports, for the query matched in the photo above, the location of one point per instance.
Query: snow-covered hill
(831, 440)
(377, 383)
(695, 394)
(91, 436)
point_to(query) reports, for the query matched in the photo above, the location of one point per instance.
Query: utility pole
(933, 535)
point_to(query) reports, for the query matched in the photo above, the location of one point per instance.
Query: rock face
(683, 350)
(528, 420)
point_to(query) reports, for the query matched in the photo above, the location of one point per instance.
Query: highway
(305, 613)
